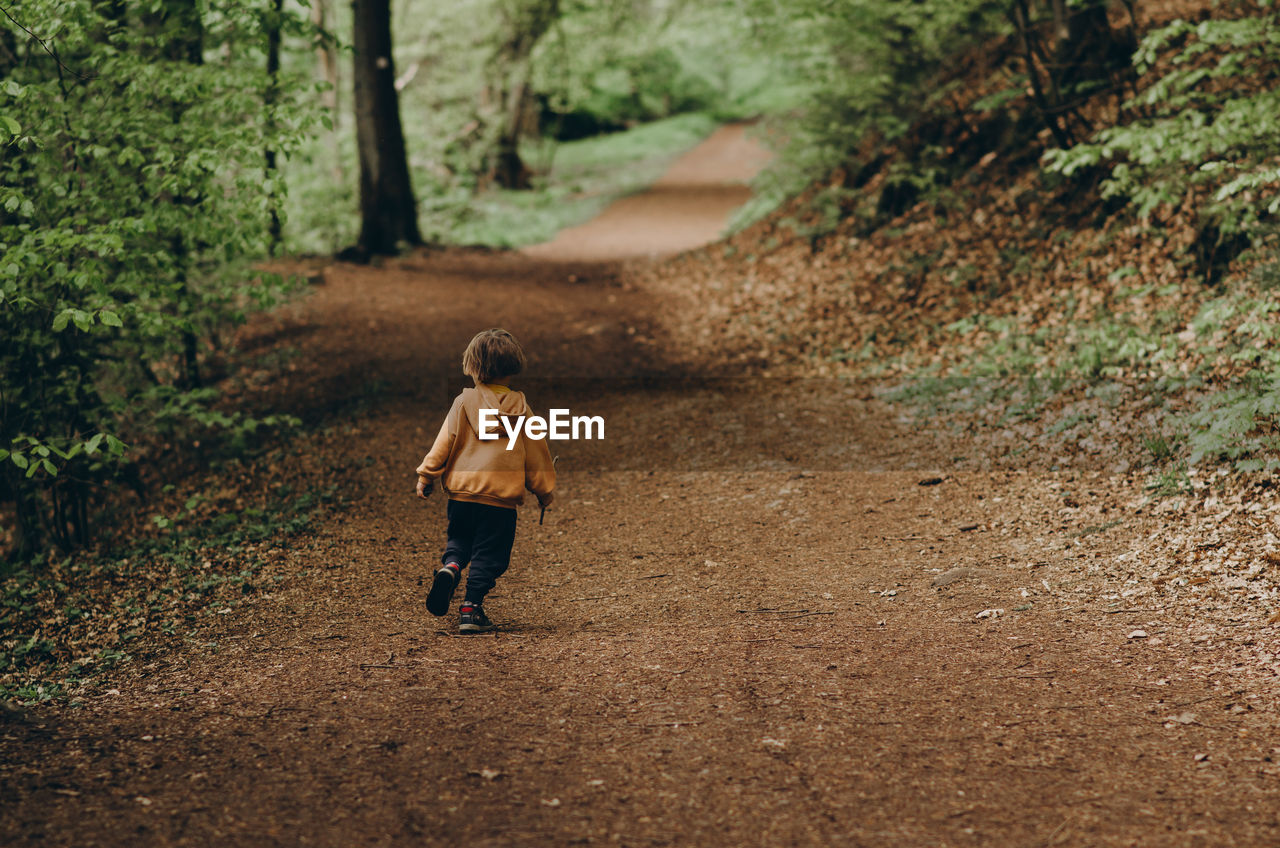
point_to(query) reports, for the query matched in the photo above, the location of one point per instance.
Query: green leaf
(110, 319)
(19, 459)
(4, 454)
(10, 124)
(60, 322)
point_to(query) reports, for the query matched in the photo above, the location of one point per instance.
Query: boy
(484, 480)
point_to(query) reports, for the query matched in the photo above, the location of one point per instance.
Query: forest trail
(688, 207)
(751, 618)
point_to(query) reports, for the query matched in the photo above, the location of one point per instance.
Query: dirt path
(752, 619)
(688, 207)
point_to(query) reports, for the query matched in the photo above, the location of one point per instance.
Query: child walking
(484, 480)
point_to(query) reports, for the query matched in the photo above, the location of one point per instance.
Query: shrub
(132, 185)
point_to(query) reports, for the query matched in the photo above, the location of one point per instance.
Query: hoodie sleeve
(539, 470)
(432, 465)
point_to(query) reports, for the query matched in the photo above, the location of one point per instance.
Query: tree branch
(47, 48)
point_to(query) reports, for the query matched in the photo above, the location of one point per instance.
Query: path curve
(688, 207)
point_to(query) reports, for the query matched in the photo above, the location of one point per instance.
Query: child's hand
(425, 487)
(544, 501)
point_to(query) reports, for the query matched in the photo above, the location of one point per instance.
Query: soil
(761, 612)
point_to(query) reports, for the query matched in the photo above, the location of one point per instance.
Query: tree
(129, 192)
(326, 49)
(273, 25)
(1207, 127)
(388, 211)
(525, 23)
(1083, 56)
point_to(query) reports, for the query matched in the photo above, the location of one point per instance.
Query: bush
(1209, 121)
(132, 185)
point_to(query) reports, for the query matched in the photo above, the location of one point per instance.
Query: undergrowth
(67, 622)
(1207, 365)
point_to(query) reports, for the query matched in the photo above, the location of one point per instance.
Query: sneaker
(471, 619)
(442, 587)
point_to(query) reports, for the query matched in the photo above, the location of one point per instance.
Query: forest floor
(761, 612)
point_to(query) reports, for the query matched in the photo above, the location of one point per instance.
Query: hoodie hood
(509, 405)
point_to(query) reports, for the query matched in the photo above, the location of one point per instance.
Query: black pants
(481, 535)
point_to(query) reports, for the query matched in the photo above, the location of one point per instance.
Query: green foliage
(1159, 446)
(1211, 118)
(621, 63)
(133, 188)
(862, 68)
(1237, 425)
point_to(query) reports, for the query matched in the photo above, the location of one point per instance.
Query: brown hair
(492, 354)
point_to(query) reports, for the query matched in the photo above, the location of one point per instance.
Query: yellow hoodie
(485, 471)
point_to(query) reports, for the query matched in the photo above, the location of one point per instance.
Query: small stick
(666, 724)
(543, 513)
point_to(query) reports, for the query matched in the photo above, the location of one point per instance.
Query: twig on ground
(387, 663)
(1052, 837)
(665, 724)
(283, 709)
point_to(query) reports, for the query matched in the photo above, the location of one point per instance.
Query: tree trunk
(274, 23)
(1087, 57)
(327, 58)
(509, 170)
(185, 30)
(527, 22)
(388, 212)
(184, 42)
